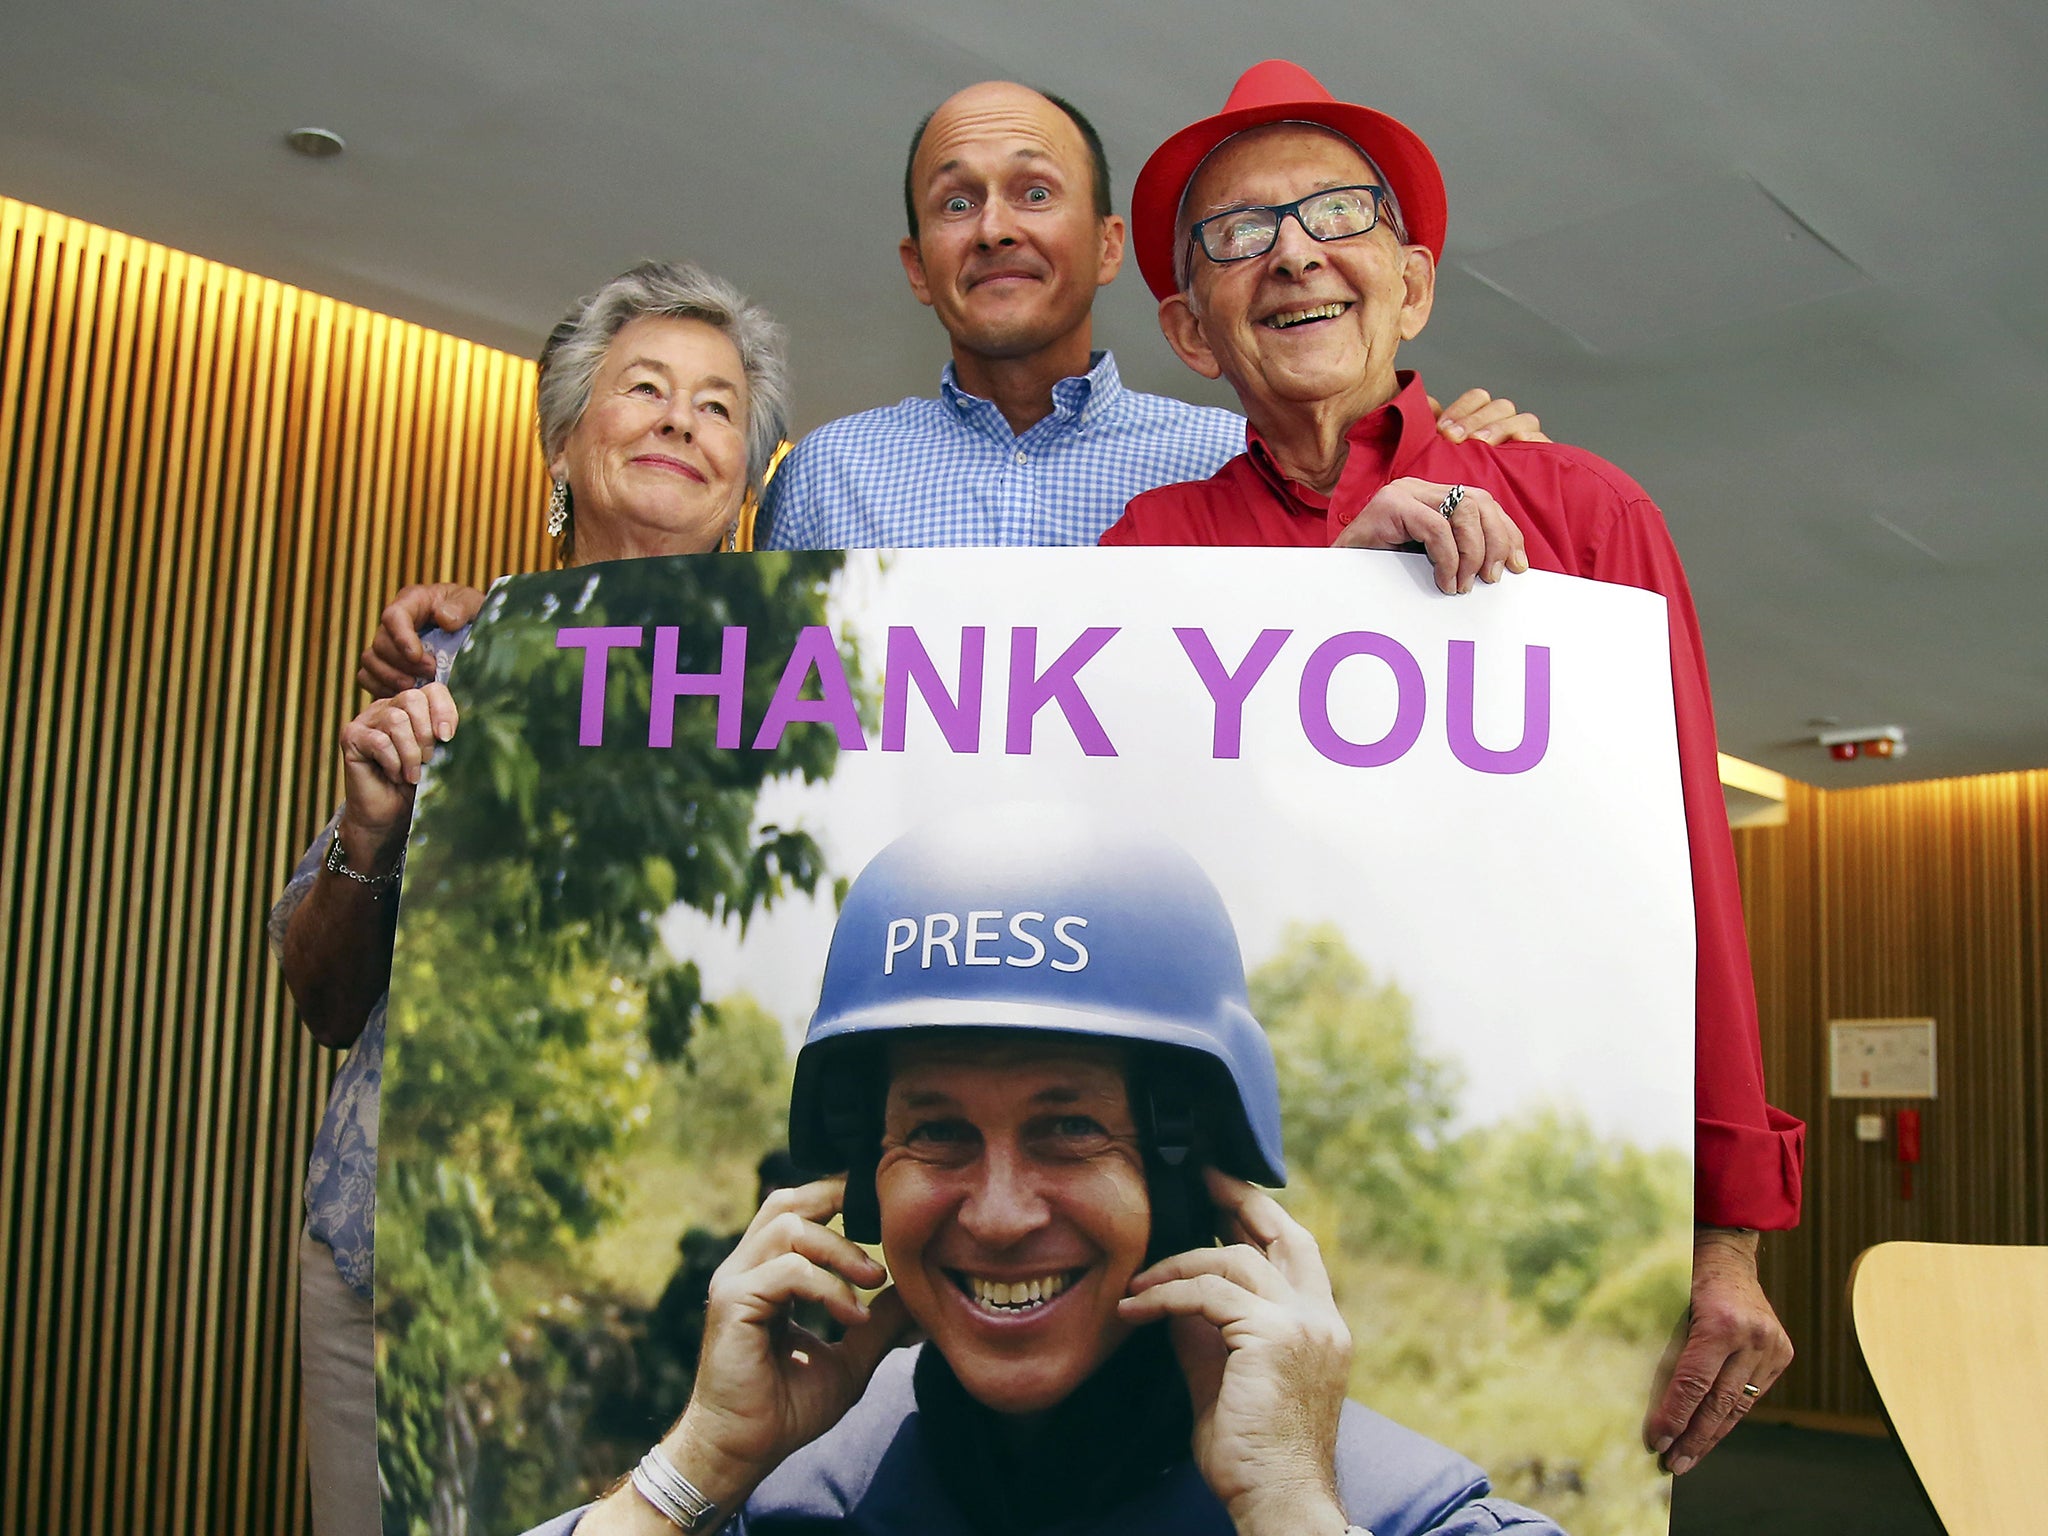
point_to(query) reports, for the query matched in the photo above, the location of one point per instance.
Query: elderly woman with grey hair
(662, 399)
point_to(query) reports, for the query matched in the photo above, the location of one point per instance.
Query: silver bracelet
(673, 1495)
(337, 864)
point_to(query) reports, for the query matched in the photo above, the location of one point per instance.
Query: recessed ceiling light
(316, 143)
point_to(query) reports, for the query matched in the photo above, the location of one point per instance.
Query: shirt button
(1020, 455)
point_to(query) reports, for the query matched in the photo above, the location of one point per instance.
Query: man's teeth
(1016, 1294)
(1281, 321)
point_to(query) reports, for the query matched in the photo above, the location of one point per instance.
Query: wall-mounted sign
(1881, 1058)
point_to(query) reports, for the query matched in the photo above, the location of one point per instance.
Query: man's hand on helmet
(766, 1386)
(1267, 1356)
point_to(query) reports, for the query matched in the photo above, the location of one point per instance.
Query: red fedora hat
(1279, 92)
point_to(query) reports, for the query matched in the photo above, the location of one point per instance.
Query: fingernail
(1681, 1465)
(1454, 432)
(1663, 1444)
(1488, 434)
(445, 731)
(1493, 571)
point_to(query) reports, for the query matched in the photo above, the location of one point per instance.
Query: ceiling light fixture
(316, 143)
(1863, 741)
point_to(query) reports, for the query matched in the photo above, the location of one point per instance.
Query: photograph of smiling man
(1228, 1146)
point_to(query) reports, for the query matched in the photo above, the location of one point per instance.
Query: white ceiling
(1834, 376)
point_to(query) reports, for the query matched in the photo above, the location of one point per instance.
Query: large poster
(1447, 833)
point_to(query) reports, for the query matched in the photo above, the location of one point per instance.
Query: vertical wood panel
(1902, 901)
(209, 484)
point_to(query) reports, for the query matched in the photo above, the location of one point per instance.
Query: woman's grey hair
(674, 290)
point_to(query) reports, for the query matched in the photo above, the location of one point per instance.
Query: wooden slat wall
(1905, 901)
(209, 483)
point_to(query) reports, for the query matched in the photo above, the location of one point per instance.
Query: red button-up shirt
(1579, 516)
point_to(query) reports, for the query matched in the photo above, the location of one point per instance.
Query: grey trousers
(338, 1392)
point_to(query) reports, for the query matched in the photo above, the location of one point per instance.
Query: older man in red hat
(1292, 241)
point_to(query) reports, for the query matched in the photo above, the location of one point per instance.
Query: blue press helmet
(1032, 917)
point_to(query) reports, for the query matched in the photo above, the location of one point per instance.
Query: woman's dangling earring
(558, 509)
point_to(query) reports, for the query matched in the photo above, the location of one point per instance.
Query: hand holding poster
(1445, 835)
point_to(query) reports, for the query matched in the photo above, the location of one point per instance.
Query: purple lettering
(814, 649)
(908, 665)
(1030, 692)
(727, 685)
(1458, 721)
(597, 643)
(1227, 689)
(1315, 700)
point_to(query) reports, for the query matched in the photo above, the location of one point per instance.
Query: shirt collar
(1076, 400)
(1382, 443)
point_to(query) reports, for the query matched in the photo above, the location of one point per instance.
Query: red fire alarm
(1850, 743)
(1908, 1149)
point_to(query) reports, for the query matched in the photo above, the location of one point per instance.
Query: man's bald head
(993, 91)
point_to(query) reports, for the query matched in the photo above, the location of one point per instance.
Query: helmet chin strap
(1182, 1216)
(853, 1125)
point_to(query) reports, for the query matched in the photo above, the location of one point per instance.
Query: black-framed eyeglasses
(1336, 213)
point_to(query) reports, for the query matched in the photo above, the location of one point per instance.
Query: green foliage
(1641, 1300)
(617, 833)
(1562, 1208)
(1540, 1205)
(1364, 1110)
(531, 1001)
(714, 1115)
(1505, 1285)
(732, 1089)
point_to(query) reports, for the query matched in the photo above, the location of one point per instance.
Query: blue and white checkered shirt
(950, 471)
